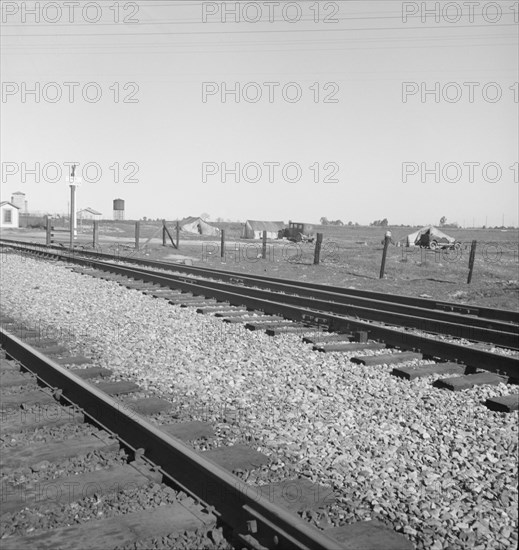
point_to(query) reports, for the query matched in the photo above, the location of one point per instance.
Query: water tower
(18, 199)
(118, 209)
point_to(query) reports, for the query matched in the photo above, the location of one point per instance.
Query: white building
(253, 229)
(9, 214)
(88, 214)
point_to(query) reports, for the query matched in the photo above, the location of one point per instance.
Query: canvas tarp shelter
(425, 235)
(198, 226)
(254, 229)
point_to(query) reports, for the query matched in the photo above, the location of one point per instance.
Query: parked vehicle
(297, 232)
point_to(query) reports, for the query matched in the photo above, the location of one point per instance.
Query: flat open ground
(351, 257)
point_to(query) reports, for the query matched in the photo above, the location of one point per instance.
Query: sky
(348, 110)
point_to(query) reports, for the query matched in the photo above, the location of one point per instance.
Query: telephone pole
(73, 221)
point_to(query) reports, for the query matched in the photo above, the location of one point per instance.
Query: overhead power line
(276, 31)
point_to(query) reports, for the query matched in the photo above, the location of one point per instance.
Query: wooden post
(163, 232)
(317, 251)
(95, 234)
(170, 237)
(264, 247)
(48, 239)
(222, 244)
(72, 214)
(472, 257)
(137, 234)
(387, 240)
(178, 234)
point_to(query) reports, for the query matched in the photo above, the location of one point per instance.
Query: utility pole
(73, 222)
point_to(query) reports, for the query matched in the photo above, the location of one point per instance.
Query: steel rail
(239, 505)
(509, 320)
(472, 357)
(459, 326)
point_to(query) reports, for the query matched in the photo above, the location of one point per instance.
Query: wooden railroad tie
(507, 403)
(468, 381)
(353, 346)
(121, 530)
(387, 359)
(73, 488)
(410, 373)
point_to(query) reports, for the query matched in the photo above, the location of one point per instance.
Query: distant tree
(324, 221)
(350, 223)
(443, 220)
(384, 223)
(219, 220)
(338, 222)
(205, 216)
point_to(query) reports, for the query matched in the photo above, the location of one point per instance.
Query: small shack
(253, 229)
(197, 225)
(9, 214)
(88, 214)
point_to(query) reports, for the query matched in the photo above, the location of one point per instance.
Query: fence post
(137, 234)
(95, 234)
(317, 251)
(222, 244)
(472, 257)
(178, 234)
(163, 232)
(264, 246)
(387, 240)
(48, 239)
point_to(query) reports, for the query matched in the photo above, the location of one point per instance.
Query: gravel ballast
(435, 465)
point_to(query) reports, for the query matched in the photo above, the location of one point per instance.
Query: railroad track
(477, 316)
(415, 326)
(465, 376)
(43, 388)
(359, 335)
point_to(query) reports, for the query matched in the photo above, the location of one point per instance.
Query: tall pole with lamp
(74, 182)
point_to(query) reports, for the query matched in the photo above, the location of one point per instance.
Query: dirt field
(351, 257)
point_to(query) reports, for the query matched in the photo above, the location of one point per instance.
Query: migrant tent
(254, 229)
(430, 237)
(198, 226)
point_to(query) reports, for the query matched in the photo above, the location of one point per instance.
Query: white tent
(426, 235)
(198, 226)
